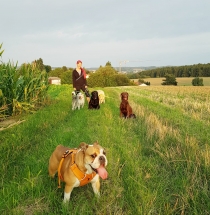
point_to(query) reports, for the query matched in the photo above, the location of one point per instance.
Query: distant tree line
(197, 70)
(104, 76)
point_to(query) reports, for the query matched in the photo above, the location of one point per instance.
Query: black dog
(94, 101)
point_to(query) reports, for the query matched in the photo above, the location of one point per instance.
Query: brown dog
(125, 108)
(77, 167)
(124, 96)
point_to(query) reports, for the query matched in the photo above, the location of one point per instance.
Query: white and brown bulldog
(77, 167)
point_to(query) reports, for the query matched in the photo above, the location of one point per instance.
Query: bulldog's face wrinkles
(95, 156)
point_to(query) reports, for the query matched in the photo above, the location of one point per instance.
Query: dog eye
(104, 152)
(93, 155)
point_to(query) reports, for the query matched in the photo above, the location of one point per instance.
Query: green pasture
(158, 163)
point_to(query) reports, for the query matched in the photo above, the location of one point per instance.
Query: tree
(64, 68)
(47, 68)
(197, 81)
(122, 80)
(107, 76)
(108, 64)
(169, 80)
(39, 64)
(57, 72)
(66, 77)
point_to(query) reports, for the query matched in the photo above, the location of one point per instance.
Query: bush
(169, 80)
(197, 81)
(141, 81)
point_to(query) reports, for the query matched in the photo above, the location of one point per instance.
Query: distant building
(138, 70)
(54, 80)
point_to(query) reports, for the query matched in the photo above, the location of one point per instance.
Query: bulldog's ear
(83, 146)
(96, 143)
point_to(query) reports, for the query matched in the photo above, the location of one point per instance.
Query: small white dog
(78, 100)
(101, 96)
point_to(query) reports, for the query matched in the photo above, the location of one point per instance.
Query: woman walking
(79, 79)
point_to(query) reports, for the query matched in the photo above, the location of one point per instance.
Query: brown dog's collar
(81, 176)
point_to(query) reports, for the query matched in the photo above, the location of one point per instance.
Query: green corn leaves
(1, 52)
(21, 89)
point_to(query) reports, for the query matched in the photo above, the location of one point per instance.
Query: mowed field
(158, 163)
(181, 81)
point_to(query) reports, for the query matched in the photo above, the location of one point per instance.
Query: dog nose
(102, 159)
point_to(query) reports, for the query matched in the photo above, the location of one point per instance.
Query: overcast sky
(143, 32)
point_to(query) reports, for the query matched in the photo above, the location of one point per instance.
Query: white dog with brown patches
(77, 167)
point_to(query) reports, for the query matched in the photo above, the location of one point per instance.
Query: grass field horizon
(158, 163)
(185, 81)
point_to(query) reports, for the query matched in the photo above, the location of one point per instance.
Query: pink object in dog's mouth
(102, 172)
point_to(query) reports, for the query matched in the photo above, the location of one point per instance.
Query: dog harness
(81, 176)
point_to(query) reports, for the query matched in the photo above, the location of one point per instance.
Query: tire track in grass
(127, 149)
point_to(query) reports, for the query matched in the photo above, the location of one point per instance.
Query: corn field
(21, 89)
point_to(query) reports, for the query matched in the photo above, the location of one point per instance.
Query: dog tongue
(102, 172)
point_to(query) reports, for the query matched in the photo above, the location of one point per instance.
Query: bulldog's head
(95, 157)
(124, 96)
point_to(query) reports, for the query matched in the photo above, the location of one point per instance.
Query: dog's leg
(67, 193)
(96, 186)
(73, 106)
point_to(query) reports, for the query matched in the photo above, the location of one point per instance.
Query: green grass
(157, 163)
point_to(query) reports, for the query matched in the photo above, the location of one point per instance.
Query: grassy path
(158, 163)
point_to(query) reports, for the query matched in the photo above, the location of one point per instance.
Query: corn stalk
(21, 90)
